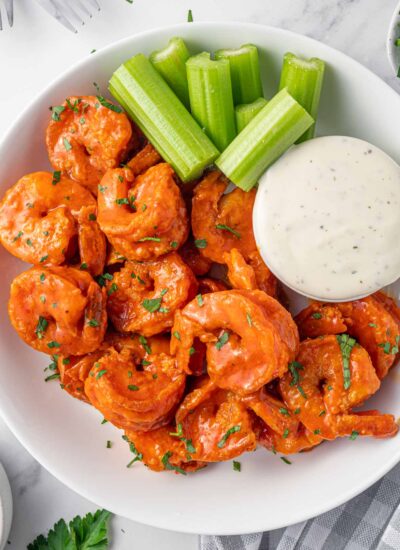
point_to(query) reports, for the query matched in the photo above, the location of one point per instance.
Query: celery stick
(273, 130)
(170, 62)
(151, 103)
(245, 72)
(245, 113)
(303, 80)
(211, 102)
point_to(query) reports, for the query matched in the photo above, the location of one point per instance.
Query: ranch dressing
(327, 218)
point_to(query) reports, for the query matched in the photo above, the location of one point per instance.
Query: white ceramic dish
(67, 437)
(5, 508)
(393, 51)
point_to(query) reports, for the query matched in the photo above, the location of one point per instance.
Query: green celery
(303, 80)
(245, 72)
(170, 62)
(211, 101)
(164, 120)
(245, 113)
(271, 132)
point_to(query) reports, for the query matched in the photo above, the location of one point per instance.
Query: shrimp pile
(157, 309)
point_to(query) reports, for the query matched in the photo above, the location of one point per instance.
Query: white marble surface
(35, 51)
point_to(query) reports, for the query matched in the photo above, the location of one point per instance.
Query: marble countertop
(35, 51)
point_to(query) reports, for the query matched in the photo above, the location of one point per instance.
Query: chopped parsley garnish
(102, 188)
(54, 376)
(122, 201)
(101, 373)
(29, 242)
(53, 344)
(297, 411)
(145, 363)
(73, 106)
(113, 288)
(56, 112)
(346, 344)
(56, 177)
(237, 467)
(317, 432)
(67, 144)
(316, 315)
(132, 387)
(42, 277)
(373, 325)
(101, 279)
(152, 305)
(227, 228)
(294, 368)
(192, 351)
(322, 413)
(249, 319)
(199, 299)
(284, 411)
(109, 444)
(285, 460)
(222, 340)
(43, 258)
(82, 120)
(41, 327)
(388, 348)
(66, 361)
(188, 442)
(93, 323)
(103, 101)
(92, 217)
(200, 243)
(17, 236)
(354, 435)
(173, 244)
(221, 443)
(132, 448)
(285, 433)
(144, 239)
(42, 298)
(143, 341)
(168, 466)
(104, 421)
(83, 266)
(176, 335)
(189, 16)
(144, 207)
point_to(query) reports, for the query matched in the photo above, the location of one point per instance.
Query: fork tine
(94, 4)
(60, 16)
(69, 12)
(10, 11)
(83, 8)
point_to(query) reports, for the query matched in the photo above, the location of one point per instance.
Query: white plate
(66, 436)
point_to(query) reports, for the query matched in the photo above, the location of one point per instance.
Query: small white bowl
(6, 507)
(393, 51)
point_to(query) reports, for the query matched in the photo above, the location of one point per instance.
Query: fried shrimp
(199, 264)
(250, 338)
(164, 449)
(132, 395)
(331, 376)
(222, 221)
(374, 321)
(216, 423)
(143, 296)
(142, 217)
(46, 219)
(74, 370)
(58, 310)
(86, 136)
(292, 441)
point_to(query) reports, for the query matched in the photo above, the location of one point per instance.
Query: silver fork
(70, 13)
(8, 4)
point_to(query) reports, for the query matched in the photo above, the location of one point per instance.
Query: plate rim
(41, 459)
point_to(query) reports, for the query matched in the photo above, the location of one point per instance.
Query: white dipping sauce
(327, 218)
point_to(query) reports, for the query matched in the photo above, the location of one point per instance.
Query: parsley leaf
(227, 228)
(222, 340)
(190, 16)
(200, 243)
(169, 466)
(56, 111)
(221, 443)
(87, 533)
(103, 101)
